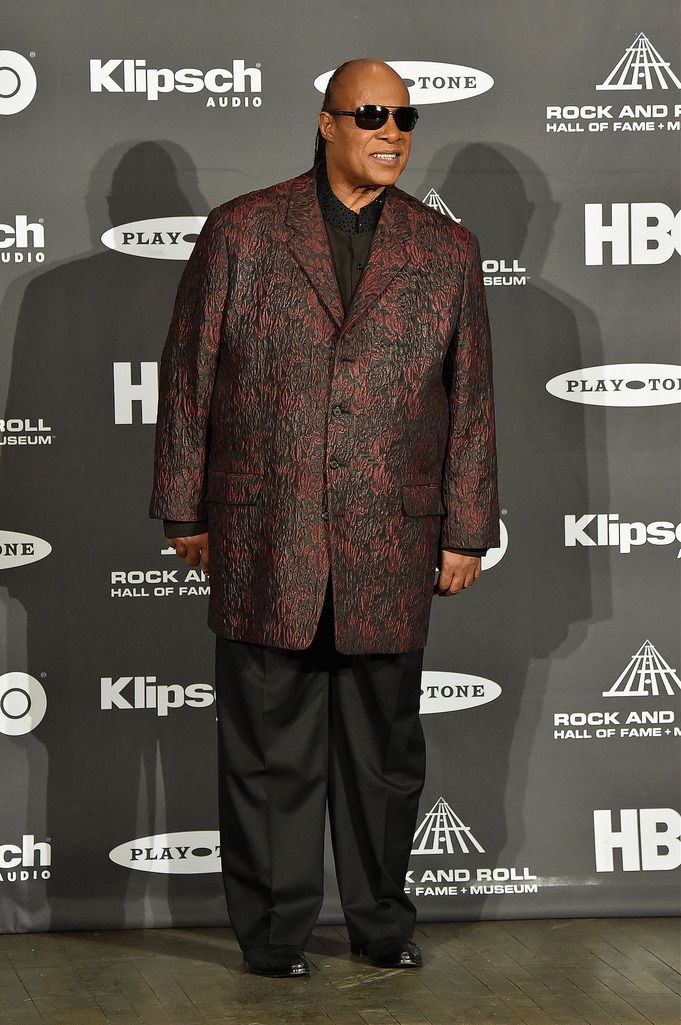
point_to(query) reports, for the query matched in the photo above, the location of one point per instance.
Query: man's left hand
(456, 573)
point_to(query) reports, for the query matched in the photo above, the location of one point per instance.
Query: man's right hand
(193, 550)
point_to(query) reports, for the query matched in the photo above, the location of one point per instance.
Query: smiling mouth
(386, 158)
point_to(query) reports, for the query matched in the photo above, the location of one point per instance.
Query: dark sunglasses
(371, 116)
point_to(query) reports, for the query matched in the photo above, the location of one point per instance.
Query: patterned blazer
(312, 440)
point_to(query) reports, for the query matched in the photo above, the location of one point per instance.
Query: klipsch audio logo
(451, 692)
(128, 692)
(646, 678)
(159, 238)
(20, 862)
(236, 86)
(639, 69)
(23, 704)
(620, 384)
(19, 549)
(442, 832)
(189, 853)
(18, 82)
(496, 272)
(22, 241)
(645, 839)
(630, 234)
(606, 530)
(432, 81)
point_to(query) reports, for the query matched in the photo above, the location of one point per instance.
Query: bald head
(363, 71)
(362, 161)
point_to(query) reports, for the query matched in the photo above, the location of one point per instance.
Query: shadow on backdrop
(534, 607)
(100, 778)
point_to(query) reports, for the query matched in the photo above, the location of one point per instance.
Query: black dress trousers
(297, 728)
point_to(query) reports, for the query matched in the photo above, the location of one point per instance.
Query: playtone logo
(189, 853)
(132, 75)
(608, 531)
(19, 549)
(636, 233)
(432, 81)
(620, 384)
(450, 692)
(647, 839)
(22, 241)
(157, 238)
(146, 693)
(31, 860)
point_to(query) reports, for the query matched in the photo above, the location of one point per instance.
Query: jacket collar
(309, 244)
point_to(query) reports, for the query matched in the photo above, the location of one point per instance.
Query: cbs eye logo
(23, 704)
(17, 82)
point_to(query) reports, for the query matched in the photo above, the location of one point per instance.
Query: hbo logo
(635, 233)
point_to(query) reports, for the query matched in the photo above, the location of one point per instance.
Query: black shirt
(350, 235)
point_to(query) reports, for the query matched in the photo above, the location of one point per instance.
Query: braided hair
(320, 141)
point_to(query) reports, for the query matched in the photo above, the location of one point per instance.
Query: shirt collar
(341, 216)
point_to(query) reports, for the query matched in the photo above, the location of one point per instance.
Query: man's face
(366, 158)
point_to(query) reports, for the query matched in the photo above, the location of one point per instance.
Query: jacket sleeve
(186, 376)
(470, 468)
(182, 528)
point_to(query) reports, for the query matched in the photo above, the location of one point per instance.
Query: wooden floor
(570, 971)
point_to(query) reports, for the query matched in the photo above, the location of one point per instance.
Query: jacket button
(334, 464)
(336, 411)
(325, 514)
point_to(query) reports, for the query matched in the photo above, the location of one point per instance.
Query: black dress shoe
(278, 960)
(390, 952)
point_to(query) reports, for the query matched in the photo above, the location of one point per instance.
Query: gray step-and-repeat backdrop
(552, 690)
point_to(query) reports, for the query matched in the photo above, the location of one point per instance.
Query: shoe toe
(390, 952)
(279, 961)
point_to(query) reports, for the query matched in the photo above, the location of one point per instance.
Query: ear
(327, 125)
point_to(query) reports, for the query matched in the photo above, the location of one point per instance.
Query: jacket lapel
(387, 255)
(309, 244)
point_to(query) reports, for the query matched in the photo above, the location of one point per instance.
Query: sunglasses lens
(406, 118)
(371, 116)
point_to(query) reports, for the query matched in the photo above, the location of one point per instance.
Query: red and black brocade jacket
(311, 435)
(350, 235)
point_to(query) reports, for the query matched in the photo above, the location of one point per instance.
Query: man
(326, 431)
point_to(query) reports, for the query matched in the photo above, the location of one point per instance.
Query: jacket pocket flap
(233, 488)
(422, 500)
